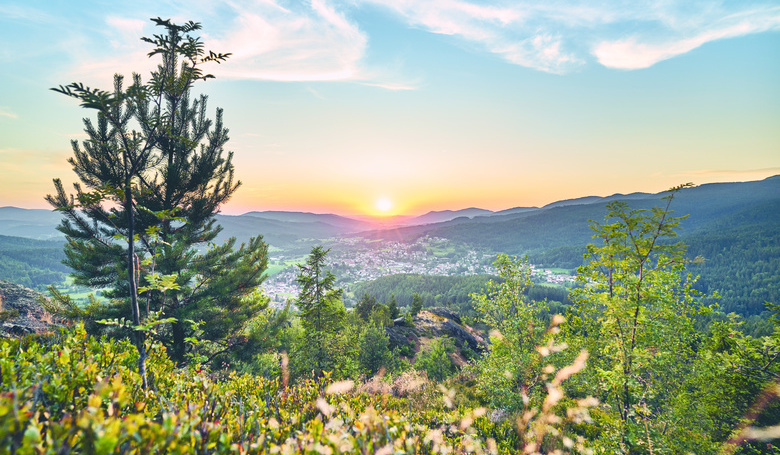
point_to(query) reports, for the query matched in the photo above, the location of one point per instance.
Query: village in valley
(357, 259)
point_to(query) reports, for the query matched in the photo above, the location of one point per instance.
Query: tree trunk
(178, 346)
(139, 336)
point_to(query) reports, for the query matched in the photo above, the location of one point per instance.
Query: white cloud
(510, 30)
(321, 40)
(394, 86)
(559, 36)
(642, 51)
(269, 40)
(25, 13)
(507, 30)
(125, 31)
(314, 42)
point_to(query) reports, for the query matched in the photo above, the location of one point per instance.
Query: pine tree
(321, 309)
(374, 352)
(417, 303)
(392, 308)
(435, 361)
(153, 174)
(365, 306)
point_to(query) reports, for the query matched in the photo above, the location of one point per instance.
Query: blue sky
(432, 105)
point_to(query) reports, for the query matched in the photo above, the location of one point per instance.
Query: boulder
(433, 323)
(445, 313)
(22, 309)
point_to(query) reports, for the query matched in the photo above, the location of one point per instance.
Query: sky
(387, 107)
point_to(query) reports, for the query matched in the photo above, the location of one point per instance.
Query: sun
(384, 204)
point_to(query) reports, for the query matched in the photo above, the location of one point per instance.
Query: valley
(356, 259)
(734, 227)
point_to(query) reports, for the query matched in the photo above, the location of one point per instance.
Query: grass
(442, 251)
(273, 269)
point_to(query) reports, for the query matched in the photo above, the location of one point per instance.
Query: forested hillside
(453, 292)
(565, 224)
(34, 223)
(742, 259)
(733, 226)
(434, 290)
(32, 263)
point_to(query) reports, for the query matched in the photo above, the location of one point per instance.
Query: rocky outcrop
(435, 323)
(22, 311)
(445, 313)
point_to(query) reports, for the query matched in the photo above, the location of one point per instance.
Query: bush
(70, 393)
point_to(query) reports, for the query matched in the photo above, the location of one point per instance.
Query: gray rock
(434, 323)
(30, 316)
(445, 313)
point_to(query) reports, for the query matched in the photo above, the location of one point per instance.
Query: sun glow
(384, 205)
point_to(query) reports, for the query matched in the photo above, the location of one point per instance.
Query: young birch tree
(634, 315)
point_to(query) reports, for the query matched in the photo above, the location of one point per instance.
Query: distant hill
(30, 223)
(343, 223)
(516, 230)
(566, 223)
(735, 226)
(599, 200)
(446, 215)
(280, 233)
(515, 210)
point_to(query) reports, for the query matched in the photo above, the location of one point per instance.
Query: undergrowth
(70, 393)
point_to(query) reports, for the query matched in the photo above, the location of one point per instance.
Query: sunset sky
(406, 106)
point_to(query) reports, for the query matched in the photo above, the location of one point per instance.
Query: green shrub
(70, 393)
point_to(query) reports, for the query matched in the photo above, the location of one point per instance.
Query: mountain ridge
(285, 227)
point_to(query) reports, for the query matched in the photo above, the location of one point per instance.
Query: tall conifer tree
(322, 312)
(392, 307)
(153, 174)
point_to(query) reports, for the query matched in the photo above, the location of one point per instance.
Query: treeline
(740, 263)
(452, 292)
(435, 290)
(32, 263)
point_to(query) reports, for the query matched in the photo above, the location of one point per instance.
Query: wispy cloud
(125, 30)
(295, 42)
(506, 30)
(558, 37)
(642, 50)
(268, 39)
(394, 86)
(323, 40)
(5, 112)
(26, 13)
